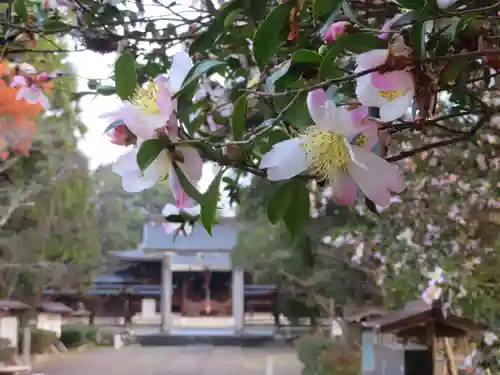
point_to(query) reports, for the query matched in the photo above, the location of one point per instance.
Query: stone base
(222, 337)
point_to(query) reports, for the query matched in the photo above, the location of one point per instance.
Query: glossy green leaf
(113, 125)
(271, 33)
(297, 214)
(323, 7)
(297, 113)
(417, 37)
(187, 186)
(239, 118)
(355, 43)
(21, 9)
(413, 4)
(278, 203)
(148, 152)
(197, 71)
(125, 76)
(231, 17)
(349, 13)
(208, 214)
(205, 40)
(301, 58)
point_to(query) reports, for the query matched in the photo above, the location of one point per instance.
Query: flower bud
(121, 136)
(337, 29)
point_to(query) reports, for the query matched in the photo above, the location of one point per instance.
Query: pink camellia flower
(392, 92)
(29, 92)
(326, 150)
(336, 29)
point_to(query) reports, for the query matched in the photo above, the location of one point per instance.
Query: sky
(95, 145)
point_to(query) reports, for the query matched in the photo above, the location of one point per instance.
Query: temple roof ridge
(223, 239)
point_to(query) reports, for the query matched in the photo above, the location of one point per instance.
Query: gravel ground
(185, 360)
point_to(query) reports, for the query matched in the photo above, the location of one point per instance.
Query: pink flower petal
(392, 80)
(182, 200)
(164, 96)
(192, 165)
(372, 59)
(345, 189)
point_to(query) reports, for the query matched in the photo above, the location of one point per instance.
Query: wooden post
(27, 346)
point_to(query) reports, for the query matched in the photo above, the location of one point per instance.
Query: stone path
(186, 360)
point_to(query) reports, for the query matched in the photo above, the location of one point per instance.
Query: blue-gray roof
(220, 260)
(108, 278)
(224, 238)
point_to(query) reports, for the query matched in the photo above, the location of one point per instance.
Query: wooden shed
(9, 320)
(406, 340)
(50, 315)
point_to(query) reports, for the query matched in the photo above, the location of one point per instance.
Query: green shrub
(77, 335)
(41, 340)
(323, 356)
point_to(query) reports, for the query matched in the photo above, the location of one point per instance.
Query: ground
(186, 360)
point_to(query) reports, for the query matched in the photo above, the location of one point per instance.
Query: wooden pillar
(238, 297)
(166, 294)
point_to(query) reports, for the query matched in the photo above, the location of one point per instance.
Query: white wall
(49, 322)
(9, 329)
(148, 308)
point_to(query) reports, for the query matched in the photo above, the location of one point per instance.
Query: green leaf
(328, 68)
(417, 37)
(21, 9)
(231, 17)
(349, 13)
(187, 186)
(302, 58)
(197, 71)
(52, 26)
(208, 214)
(113, 125)
(239, 118)
(297, 114)
(271, 33)
(412, 4)
(256, 9)
(322, 7)
(356, 43)
(278, 203)
(205, 40)
(148, 152)
(454, 68)
(125, 76)
(297, 214)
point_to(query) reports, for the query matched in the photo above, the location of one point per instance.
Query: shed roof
(415, 317)
(359, 314)
(8, 306)
(223, 239)
(54, 307)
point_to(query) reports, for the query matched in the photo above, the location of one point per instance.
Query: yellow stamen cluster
(145, 97)
(360, 141)
(328, 152)
(391, 95)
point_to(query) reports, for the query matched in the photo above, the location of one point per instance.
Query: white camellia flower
(392, 92)
(326, 150)
(153, 106)
(133, 179)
